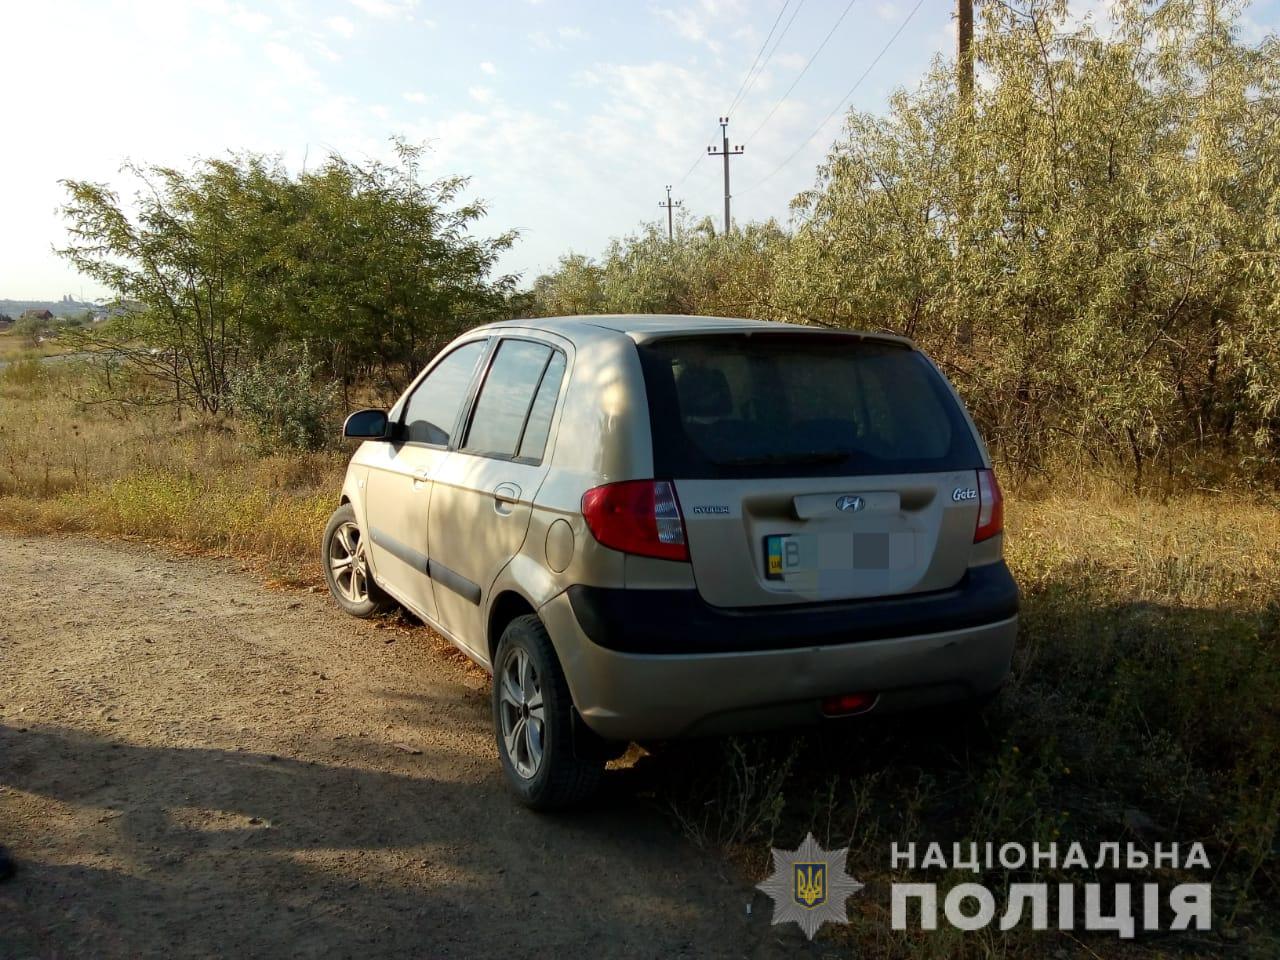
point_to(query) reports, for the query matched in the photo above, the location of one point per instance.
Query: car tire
(533, 722)
(345, 561)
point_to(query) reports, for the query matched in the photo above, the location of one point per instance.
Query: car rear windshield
(768, 404)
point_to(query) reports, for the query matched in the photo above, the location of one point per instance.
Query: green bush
(283, 402)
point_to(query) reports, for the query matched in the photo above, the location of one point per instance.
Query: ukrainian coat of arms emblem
(809, 886)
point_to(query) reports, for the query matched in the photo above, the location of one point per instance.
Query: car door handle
(505, 495)
(421, 478)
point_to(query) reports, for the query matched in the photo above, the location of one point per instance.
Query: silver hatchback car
(650, 527)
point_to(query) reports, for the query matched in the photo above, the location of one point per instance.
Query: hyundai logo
(849, 504)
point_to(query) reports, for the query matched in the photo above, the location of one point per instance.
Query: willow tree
(1119, 232)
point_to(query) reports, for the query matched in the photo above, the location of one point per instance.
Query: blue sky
(569, 115)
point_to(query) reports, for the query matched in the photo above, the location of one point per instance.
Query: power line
(693, 166)
(776, 44)
(749, 79)
(825, 40)
(751, 69)
(883, 50)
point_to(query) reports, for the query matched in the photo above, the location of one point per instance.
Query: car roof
(647, 326)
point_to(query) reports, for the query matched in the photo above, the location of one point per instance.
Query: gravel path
(194, 765)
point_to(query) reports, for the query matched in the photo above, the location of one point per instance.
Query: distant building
(6, 321)
(38, 314)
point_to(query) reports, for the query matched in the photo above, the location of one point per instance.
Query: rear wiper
(767, 459)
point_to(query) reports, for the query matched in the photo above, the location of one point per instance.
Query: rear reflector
(641, 517)
(848, 704)
(990, 507)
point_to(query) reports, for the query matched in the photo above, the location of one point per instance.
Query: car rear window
(799, 405)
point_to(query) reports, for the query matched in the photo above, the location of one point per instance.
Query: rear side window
(433, 407)
(534, 443)
(513, 411)
(799, 405)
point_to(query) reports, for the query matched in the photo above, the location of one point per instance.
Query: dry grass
(1147, 676)
(68, 466)
(14, 347)
(1192, 550)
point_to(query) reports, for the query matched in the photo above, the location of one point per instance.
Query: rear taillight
(990, 507)
(848, 704)
(637, 516)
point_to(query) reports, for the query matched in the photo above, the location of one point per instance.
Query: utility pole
(726, 153)
(964, 86)
(964, 50)
(669, 205)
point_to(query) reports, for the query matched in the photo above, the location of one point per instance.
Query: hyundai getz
(651, 527)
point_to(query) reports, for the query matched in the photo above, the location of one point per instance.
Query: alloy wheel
(347, 563)
(522, 714)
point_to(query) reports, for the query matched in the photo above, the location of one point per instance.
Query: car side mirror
(366, 425)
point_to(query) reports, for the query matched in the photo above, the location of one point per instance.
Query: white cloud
(324, 50)
(887, 11)
(487, 67)
(688, 24)
(1251, 31)
(341, 26)
(480, 94)
(564, 36)
(723, 8)
(380, 110)
(699, 25)
(291, 64)
(415, 96)
(387, 9)
(250, 21)
(336, 112)
(657, 100)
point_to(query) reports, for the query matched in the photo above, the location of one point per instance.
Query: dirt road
(194, 765)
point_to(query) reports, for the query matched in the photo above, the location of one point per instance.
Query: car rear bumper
(771, 668)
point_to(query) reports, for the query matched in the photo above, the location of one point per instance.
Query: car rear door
(811, 467)
(399, 485)
(483, 493)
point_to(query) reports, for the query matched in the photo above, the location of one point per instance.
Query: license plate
(831, 564)
(793, 557)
